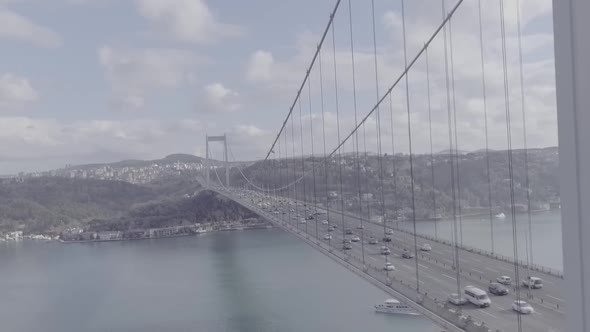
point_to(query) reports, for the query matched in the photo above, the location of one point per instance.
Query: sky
(104, 80)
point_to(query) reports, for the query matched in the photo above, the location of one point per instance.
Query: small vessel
(393, 306)
(501, 215)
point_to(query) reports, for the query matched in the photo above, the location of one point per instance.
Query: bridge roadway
(437, 277)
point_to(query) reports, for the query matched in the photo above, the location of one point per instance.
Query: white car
(324, 222)
(456, 299)
(426, 247)
(327, 237)
(389, 267)
(532, 282)
(302, 221)
(355, 238)
(385, 250)
(504, 280)
(522, 307)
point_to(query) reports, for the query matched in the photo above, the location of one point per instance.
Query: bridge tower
(225, 159)
(572, 65)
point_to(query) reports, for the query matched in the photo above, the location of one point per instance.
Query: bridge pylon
(225, 159)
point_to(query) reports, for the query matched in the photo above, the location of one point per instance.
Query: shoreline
(242, 228)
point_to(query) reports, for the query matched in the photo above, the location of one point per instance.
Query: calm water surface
(546, 233)
(240, 281)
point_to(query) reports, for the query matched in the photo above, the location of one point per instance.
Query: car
(426, 247)
(310, 217)
(373, 240)
(348, 231)
(346, 240)
(347, 246)
(302, 221)
(360, 227)
(407, 254)
(327, 237)
(324, 222)
(385, 250)
(497, 289)
(504, 280)
(355, 238)
(455, 299)
(387, 239)
(331, 228)
(532, 282)
(522, 307)
(389, 231)
(388, 267)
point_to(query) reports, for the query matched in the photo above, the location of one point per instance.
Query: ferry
(393, 306)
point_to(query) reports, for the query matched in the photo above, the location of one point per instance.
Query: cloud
(34, 142)
(280, 76)
(15, 92)
(219, 99)
(133, 73)
(17, 27)
(186, 20)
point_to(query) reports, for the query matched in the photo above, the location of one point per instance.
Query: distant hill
(205, 206)
(472, 191)
(170, 159)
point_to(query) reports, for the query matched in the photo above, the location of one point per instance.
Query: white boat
(501, 215)
(393, 306)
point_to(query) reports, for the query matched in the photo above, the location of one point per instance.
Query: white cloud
(186, 20)
(15, 91)
(31, 140)
(17, 27)
(218, 98)
(281, 76)
(135, 72)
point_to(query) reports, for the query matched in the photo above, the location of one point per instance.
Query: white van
(477, 296)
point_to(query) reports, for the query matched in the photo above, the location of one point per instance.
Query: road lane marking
(493, 270)
(444, 275)
(556, 298)
(487, 313)
(478, 271)
(422, 266)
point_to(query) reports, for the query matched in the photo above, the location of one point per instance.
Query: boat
(393, 306)
(501, 215)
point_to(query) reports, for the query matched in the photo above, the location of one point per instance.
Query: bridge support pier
(572, 67)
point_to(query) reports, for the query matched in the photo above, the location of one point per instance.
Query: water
(234, 281)
(547, 242)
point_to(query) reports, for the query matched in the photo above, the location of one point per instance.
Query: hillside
(56, 203)
(472, 173)
(205, 206)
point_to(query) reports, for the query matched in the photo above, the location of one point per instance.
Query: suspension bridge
(352, 171)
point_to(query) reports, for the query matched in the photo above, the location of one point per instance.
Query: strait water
(234, 281)
(546, 234)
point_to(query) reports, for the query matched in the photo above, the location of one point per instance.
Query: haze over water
(546, 226)
(234, 281)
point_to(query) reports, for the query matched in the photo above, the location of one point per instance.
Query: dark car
(407, 254)
(347, 246)
(346, 240)
(348, 231)
(497, 289)
(387, 239)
